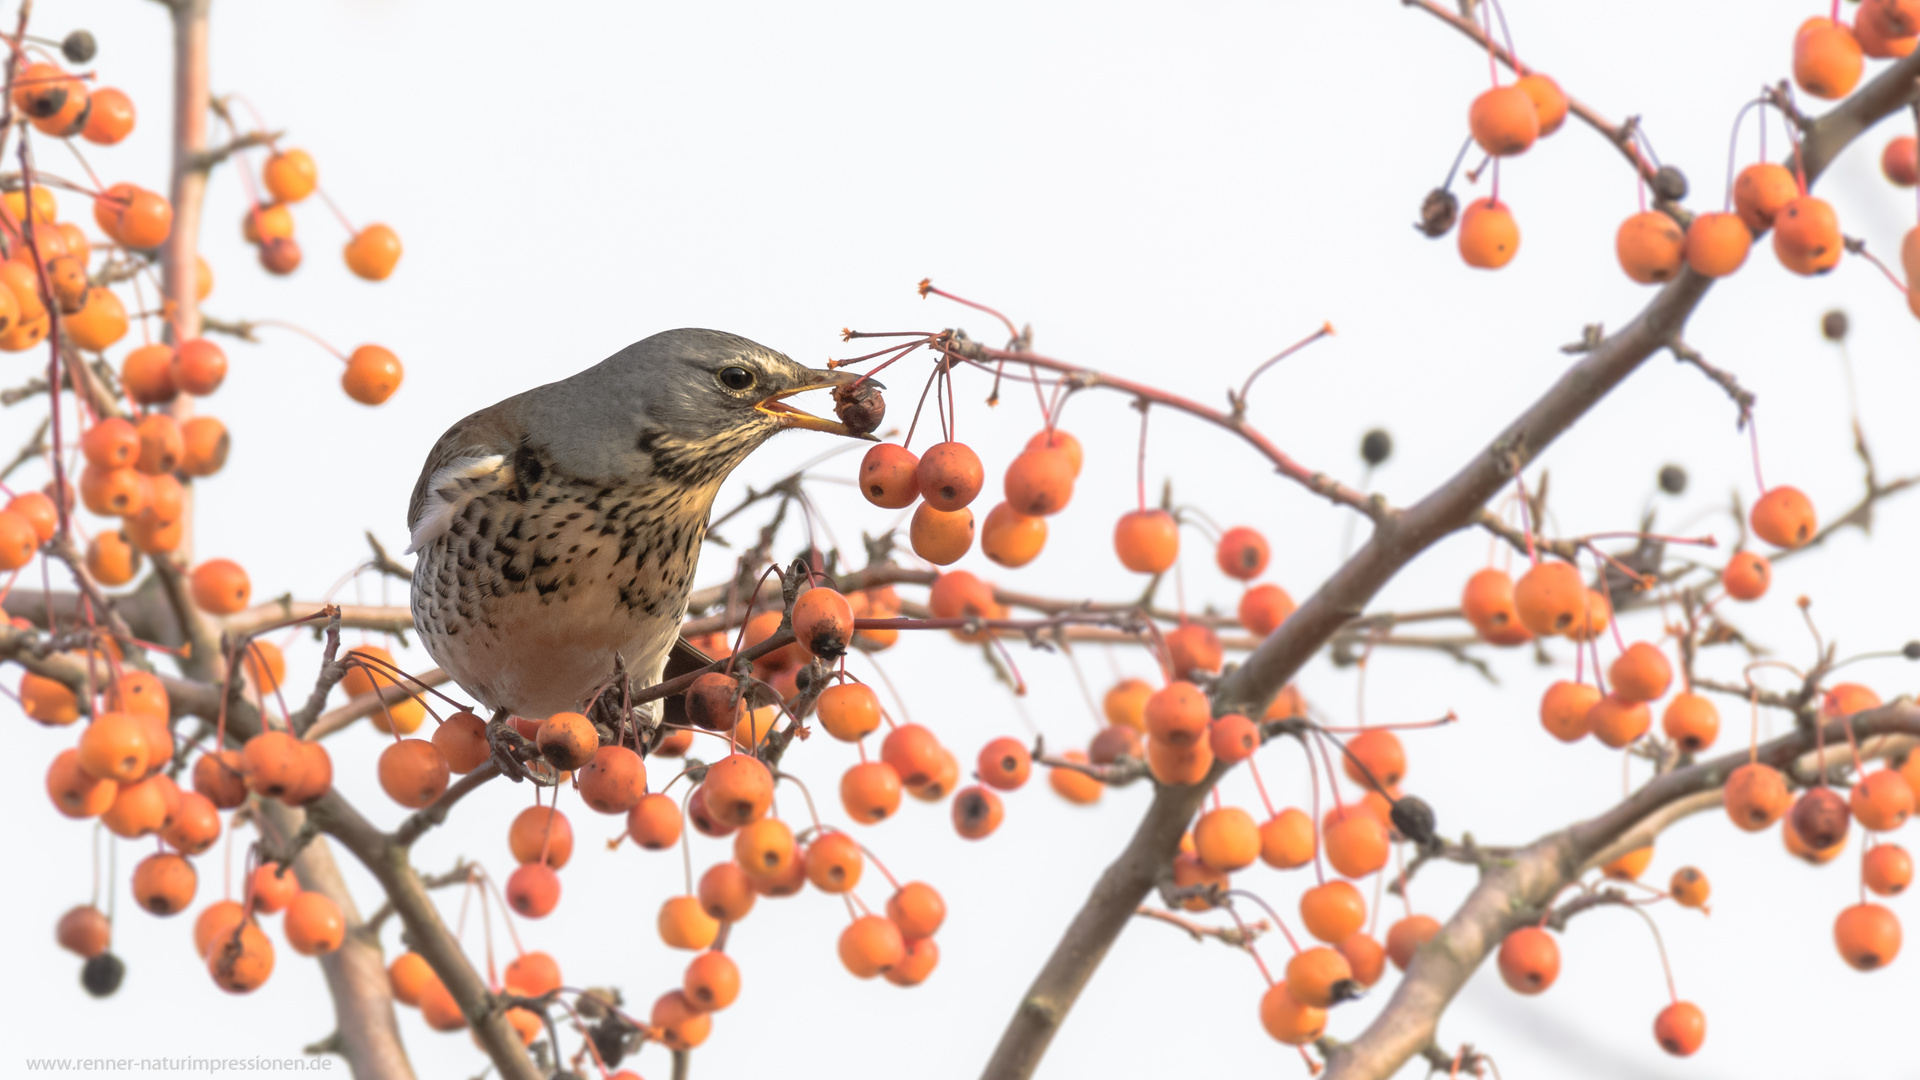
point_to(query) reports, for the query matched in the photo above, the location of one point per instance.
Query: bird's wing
(683, 658)
(471, 459)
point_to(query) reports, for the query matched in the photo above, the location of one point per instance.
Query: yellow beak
(788, 416)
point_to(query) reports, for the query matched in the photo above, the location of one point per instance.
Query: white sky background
(1171, 195)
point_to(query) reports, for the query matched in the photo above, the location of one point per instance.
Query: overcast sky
(1168, 192)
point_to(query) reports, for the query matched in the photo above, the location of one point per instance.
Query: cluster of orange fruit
(1652, 245)
(948, 477)
(118, 774)
(291, 176)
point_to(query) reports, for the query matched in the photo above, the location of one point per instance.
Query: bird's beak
(788, 416)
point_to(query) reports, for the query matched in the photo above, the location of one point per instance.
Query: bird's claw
(509, 748)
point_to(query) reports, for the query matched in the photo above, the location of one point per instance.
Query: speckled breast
(535, 586)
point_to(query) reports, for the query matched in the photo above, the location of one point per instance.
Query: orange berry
(654, 822)
(726, 893)
(917, 909)
(241, 959)
(48, 701)
(413, 773)
(712, 981)
(567, 740)
(1380, 751)
(1629, 866)
(84, 931)
(1010, 539)
(1691, 721)
(1760, 192)
(199, 367)
(1487, 604)
(1179, 765)
(1565, 708)
(372, 375)
(164, 884)
(1366, 956)
(950, 476)
(976, 812)
(100, 322)
(142, 808)
(1357, 842)
(613, 781)
(849, 711)
(533, 974)
(1617, 722)
(1194, 647)
(1232, 738)
(889, 476)
(1827, 59)
(1242, 553)
(1881, 801)
(113, 443)
(1529, 960)
(1407, 935)
(290, 175)
(18, 540)
(686, 925)
(765, 848)
(266, 221)
(1887, 29)
(1784, 518)
(1489, 237)
(109, 118)
(1806, 236)
(938, 536)
(1747, 576)
(1333, 912)
(916, 965)
(738, 789)
(833, 863)
(1820, 819)
(1549, 101)
(75, 792)
(1039, 483)
(39, 512)
(1005, 764)
(682, 1025)
(1900, 161)
(1550, 598)
(272, 888)
(913, 752)
(1689, 888)
(1504, 121)
(220, 587)
(160, 444)
(1287, 840)
(115, 747)
(1072, 785)
(1887, 869)
(1641, 673)
(1178, 713)
(1650, 246)
(1846, 699)
(538, 831)
(823, 623)
(1263, 608)
(1717, 244)
(1126, 703)
(1756, 796)
(147, 372)
(1680, 1028)
(1226, 839)
(1320, 977)
(1147, 541)
(313, 924)
(1867, 935)
(218, 776)
(372, 252)
(1287, 1019)
(871, 945)
(533, 890)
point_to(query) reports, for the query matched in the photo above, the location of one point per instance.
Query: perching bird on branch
(559, 529)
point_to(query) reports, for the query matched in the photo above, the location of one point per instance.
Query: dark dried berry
(102, 974)
(79, 47)
(1833, 325)
(860, 406)
(1670, 183)
(1673, 479)
(1376, 446)
(1437, 213)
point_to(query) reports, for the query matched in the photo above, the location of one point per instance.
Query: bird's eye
(736, 378)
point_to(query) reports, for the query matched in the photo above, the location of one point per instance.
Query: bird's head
(701, 401)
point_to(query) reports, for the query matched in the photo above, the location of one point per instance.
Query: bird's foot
(510, 748)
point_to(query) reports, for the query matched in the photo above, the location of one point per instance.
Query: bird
(558, 530)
